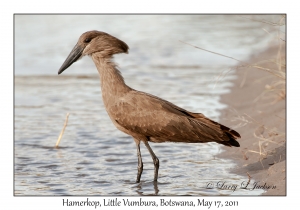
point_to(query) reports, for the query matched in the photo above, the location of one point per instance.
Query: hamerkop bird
(143, 116)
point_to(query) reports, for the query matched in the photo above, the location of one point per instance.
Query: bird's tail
(230, 134)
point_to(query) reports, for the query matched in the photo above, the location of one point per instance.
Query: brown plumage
(143, 116)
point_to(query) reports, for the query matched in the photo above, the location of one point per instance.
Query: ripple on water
(96, 159)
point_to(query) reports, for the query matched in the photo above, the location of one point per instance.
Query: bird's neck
(112, 82)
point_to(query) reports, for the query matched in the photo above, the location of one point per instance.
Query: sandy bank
(257, 110)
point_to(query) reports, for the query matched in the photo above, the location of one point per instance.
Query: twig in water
(62, 132)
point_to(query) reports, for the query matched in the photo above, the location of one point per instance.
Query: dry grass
(279, 23)
(273, 92)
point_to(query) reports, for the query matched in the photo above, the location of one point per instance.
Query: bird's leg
(155, 160)
(140, 162)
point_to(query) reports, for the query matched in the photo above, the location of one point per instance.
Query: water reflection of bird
(145, 117)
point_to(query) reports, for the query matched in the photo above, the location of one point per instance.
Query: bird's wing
(154, 117)
(199, 117)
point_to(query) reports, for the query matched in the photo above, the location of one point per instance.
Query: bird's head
(94, 42)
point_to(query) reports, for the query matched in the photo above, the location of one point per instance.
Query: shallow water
(94, 158)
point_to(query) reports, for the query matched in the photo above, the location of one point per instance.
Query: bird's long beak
(74, 55)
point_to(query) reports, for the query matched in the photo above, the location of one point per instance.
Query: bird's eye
(87, 40)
